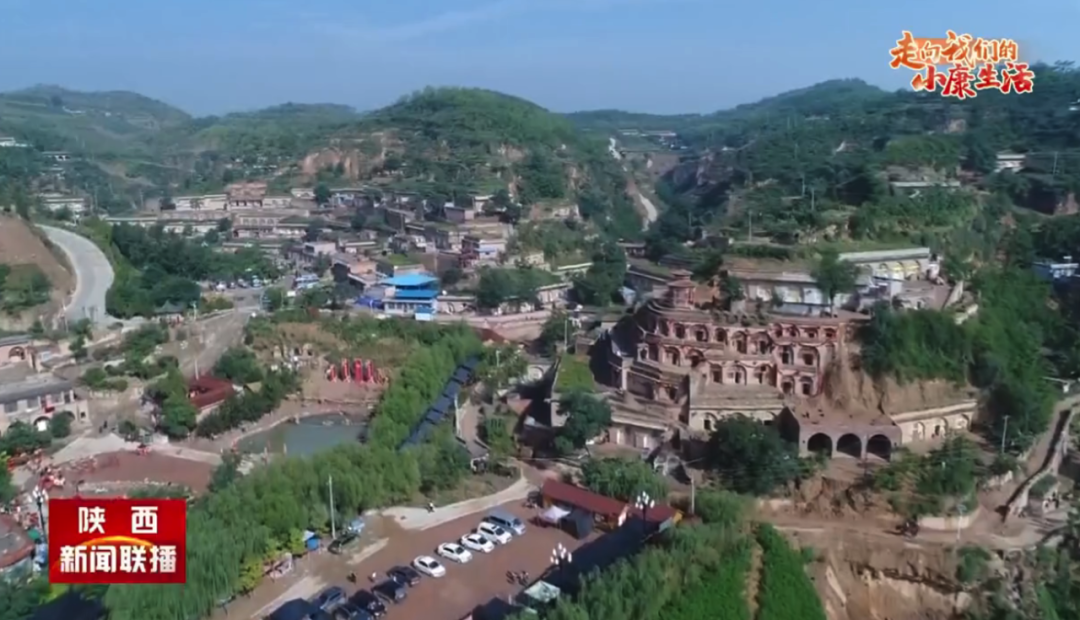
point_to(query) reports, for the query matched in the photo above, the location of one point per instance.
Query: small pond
(307, 436)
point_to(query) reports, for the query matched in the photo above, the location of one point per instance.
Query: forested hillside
(444, 143)
(817, 164)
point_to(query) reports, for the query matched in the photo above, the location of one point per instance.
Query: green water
(310, 435)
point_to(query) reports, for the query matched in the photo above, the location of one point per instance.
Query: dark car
(390, 591)
(348, 611)
(369, 602)
(405, 575)
(343, 542)
(329, 598)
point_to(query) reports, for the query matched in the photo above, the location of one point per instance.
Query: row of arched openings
(850, 444)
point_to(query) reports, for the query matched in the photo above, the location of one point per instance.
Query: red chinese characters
(961, 65)
(117, 540)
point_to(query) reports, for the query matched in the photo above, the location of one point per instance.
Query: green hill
(815, 164)
(444, 143)
(113, 122)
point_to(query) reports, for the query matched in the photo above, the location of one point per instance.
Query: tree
(601, 283)
(177, 417)
(239, 366)
(587, 417)
(750, 457)
(623, 479)
(78, 347)
(452, 276)
(732, 289)
(322, 194)
(322, 265)
(274, 299)
(498, 286)
(978, 154)
(556, 331)
(21, 438)
(497, 433)
(708, 267)
(833, 275)
(60, 425)
(227, 472)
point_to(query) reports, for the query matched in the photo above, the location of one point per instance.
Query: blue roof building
(412, 280)
(411, 295)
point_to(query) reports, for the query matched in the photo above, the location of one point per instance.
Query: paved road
(651, 212)
(93, 276)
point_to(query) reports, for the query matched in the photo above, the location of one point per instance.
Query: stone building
(681, 366)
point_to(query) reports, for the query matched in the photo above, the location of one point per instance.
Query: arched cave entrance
(41, 424)
(17, 353)
(820, 443)
(880, 446)
(850, 445)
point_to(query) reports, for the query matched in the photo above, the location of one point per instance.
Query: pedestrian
(431, 506)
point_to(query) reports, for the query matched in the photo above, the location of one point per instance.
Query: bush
(973, 566)
(623, 479)
(60, 425)
(721, 594)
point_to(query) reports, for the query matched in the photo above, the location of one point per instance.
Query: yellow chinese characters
(961, 65)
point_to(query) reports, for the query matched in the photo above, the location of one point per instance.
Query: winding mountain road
(651, 213)
(93, 276)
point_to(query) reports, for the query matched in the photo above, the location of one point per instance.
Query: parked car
(405, 575)
(506, 521)
(348, 611)
(369, 602)
(343, 542)
(455, 552)
(477, 542)
(493, 532)
(329, 598)
(429, 566)
(390, 591)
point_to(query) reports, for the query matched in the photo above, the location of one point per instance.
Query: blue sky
(666, 56)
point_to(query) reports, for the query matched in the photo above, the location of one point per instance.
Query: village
(679, 356)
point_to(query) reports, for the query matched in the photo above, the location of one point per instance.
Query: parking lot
(465, 586)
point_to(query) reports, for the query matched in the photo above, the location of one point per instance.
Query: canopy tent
(578, 524)
(554, 515)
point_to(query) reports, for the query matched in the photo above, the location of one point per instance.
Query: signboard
(110, 540)
(962, 65)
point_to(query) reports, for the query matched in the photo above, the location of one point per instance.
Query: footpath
(419, 519)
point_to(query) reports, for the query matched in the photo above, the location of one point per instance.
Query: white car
(429, 566)
(455, 552)
(476, 542)
(493, 532)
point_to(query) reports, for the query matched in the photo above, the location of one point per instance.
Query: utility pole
(194, 328)
(1004, 433)
(693, 495)
(750, 226)
(333, 521)
(813, 199)
(1054, 173)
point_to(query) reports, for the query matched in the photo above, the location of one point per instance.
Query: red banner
(117, 540)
